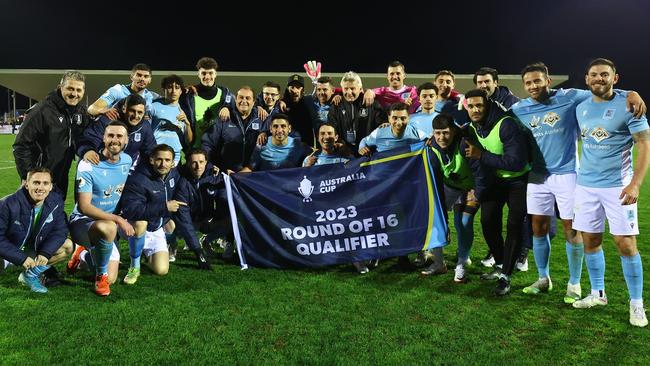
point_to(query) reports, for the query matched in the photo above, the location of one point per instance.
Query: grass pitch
(333, 316)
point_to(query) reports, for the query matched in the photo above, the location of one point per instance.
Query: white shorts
(154, 242)
(592, 205)
(541, 198)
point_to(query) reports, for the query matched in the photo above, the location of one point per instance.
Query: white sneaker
(590, 301)
(523, 265)
(573, 293)
(460, 276)
(637, 316)
(468, 262)
(488, 261)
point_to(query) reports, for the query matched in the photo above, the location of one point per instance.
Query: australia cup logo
(306, 188)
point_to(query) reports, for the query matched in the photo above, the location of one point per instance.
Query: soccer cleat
(522, 264)
(361, 267)
(488, 261)
(102, 288)
(503, 286)
(172, 257)
(541, 285)
(34, 283)
(75, 260)
(590, 301)
(573, 293)
(637, 316)
(207, 246)
(493, 275)
(132, 276)
(432, 270)
(460, 275)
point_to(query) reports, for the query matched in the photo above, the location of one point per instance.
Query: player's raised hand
(312, 68)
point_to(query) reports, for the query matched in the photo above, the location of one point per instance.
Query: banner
(331, 214)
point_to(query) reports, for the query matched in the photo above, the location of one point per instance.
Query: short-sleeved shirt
(120, 91)
(383, 138)
(422, 121)
(270, 156)
(161, 114)
(606, 129)
(105, 181)
(555, 129)
(323, 158)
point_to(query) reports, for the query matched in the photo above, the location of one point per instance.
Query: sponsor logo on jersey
(551, 118)
(534, 122)
(599, 134)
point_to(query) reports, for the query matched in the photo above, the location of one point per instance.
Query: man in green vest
(498, 143)
(204, 101)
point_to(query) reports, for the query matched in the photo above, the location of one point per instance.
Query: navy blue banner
(332, 214)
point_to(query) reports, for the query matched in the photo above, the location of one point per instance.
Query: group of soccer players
(491, 149)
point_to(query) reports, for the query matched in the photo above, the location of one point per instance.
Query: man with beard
(147, 205)
(396, 91)
(487, 78)
(140, 79)
(205, 100)
(141, 139)
(499, 145)
(281, 151)
(93, 222)
(608, 185)
(48, 137)
(550, 116)
(354, 120)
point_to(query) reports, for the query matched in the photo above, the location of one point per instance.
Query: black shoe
(404, 264)
(503, 287)
(51, 278)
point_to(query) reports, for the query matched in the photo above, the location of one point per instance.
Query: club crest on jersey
(630, 215)
(137, 137)
(551, 118)
(405, 96)
(599, 134)
(363, 112)
(255, 126)
(125, 169)
(609, 113)
(534, 122)
(171, 182)
(61, 119)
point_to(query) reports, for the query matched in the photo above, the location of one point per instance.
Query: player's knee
(140, 228)
(104, 229)
(160, 270)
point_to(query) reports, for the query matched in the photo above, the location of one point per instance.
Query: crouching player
(92, 222)
(33, 229)
(448, 146)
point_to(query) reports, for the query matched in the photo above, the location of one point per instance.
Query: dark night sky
(344, 35)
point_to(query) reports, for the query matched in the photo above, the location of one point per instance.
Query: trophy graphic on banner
(306, 189)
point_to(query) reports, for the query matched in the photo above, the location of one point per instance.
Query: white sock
(637, 303)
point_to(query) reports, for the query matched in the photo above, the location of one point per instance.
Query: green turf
(317, 316)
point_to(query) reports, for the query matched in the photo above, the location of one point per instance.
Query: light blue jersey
(119, 91)
(271, 156)
(606, 129)
(162, 114)
(323, 158)
(422, 121)
(105, 181)
(554, 126)
(383, 138)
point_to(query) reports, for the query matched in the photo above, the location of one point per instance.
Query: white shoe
(468, 262)
(460, 276)
(637, 316)
(523, 265)
(573, 293)
(590, 301)
(488, 261)
(541, 285)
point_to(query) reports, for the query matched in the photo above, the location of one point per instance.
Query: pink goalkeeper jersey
(387, 96)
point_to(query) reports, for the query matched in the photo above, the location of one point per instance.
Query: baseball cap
(296, 79)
